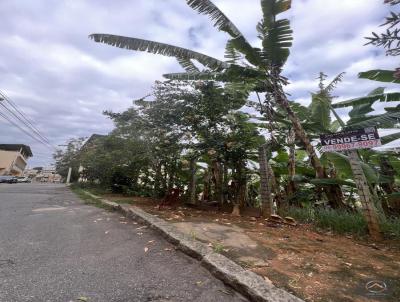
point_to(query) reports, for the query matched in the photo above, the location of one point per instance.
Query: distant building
(45, 174)
(13, 158)
(31, 173)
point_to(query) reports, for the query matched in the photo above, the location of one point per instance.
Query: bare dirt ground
(314, 265)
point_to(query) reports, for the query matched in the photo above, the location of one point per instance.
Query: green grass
(92, 188)
(342, 222)
(124, 201)
(217, 247)
(89, 200)
(391, 227)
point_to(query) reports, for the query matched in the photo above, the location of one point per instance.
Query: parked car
(8, 179)
(23, 179)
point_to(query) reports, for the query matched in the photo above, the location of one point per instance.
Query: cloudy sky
(63, 81)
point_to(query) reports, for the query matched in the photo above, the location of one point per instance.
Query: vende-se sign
(351, 139)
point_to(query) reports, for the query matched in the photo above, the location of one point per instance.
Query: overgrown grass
(391, 227)
(92, 188)
(124, 201)
(89, 200)
(342, 222)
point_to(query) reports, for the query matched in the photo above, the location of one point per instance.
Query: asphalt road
(55, 248)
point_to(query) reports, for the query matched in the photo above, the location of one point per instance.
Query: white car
(23, 180)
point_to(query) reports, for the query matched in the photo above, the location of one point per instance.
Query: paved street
(55, 248)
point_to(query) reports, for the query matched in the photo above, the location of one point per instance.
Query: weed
(218, 248)
(193, 235)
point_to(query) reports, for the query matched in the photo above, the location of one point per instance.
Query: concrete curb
(247, 283)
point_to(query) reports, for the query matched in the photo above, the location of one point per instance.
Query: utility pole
(69, 175)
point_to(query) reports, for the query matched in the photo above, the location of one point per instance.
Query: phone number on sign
(350, 146)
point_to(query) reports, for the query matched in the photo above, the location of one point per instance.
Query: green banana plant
(261, 69)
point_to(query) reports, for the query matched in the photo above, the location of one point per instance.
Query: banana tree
(359, 119)
(261, 69)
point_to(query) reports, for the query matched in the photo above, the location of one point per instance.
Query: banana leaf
(379, 75)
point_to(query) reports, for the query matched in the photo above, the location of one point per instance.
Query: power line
(27, 123)
(37, 137)
(25, 120)
(8, 99)
(20, 128)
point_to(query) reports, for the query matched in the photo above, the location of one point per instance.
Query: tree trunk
(192, 181)
(333, 192)
(265, 184)
(218, 179)
(206, 187)
(164, 180)
(225, 189)
(301, 134)
(157, 180)
(368, 207)
(334, 195)
(240, 192)
(171, 175)
(236, 210)
(291, 186)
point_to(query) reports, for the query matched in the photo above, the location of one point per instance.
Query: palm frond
(252, 55)
(386, 120)
(194, 76)
(222, 22)
(277, 34)
(187, 64)
(331, 181)
(332, 85)
(234, 73)
(379, 75)
(382, 97)
(320, 111)
(392, 109)
(158, 48)
(342, 165)
(231, 54)
(389, 138)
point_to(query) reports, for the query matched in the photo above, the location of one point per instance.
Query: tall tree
(262, 71)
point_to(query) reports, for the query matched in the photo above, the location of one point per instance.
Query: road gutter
(246, 282)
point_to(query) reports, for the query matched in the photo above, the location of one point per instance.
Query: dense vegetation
(194, 133)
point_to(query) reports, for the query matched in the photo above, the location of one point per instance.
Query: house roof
(16, 147)
(92, 140)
